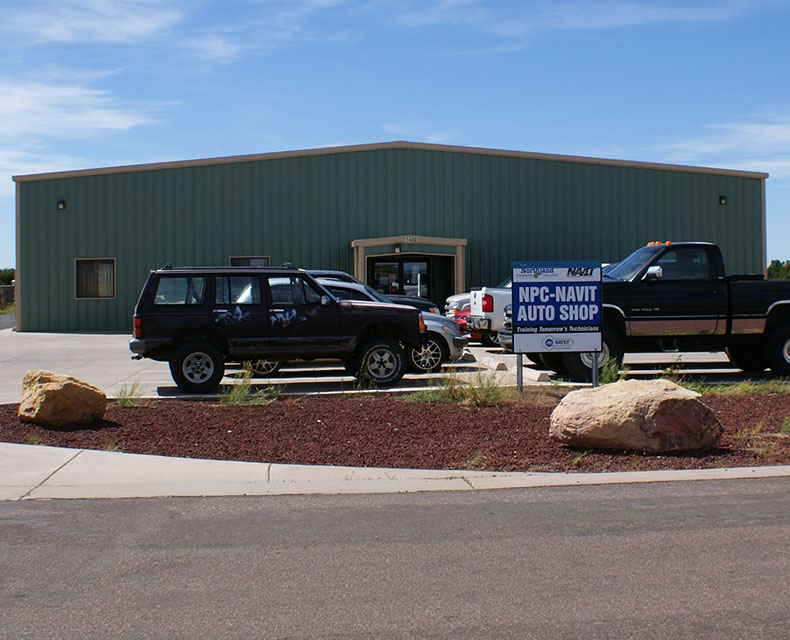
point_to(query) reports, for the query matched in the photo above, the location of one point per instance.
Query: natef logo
(580, 271)
(550, 342)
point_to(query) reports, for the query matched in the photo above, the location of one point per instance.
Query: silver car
(443, 340)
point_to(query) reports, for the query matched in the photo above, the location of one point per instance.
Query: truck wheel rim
(786, 351)
(602, 357)
(381, 363)
(428, 356)
(198, 367)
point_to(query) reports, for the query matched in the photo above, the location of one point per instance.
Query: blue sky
(93, 83)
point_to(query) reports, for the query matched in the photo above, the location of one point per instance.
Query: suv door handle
(220, 311)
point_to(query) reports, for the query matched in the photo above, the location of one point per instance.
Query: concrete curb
(34, 472)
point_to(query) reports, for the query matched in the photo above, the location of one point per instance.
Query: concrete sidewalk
(34, 472)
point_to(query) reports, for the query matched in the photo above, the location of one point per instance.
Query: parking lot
(104, 360)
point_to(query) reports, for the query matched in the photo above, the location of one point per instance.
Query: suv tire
(382, 362)
(197, 367)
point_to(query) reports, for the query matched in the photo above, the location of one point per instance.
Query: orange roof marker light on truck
(658, 244)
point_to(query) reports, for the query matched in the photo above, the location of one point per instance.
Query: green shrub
(482, 391)
(129, 395)
(241, 393)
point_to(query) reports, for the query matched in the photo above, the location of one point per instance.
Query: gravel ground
(386, 431)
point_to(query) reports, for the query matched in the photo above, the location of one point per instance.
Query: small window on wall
(94, 278)
(249, 261)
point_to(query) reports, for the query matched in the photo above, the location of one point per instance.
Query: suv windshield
(627, 268)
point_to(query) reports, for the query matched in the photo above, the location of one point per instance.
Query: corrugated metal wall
(307, 210)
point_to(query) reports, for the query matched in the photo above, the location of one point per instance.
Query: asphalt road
(681, 560)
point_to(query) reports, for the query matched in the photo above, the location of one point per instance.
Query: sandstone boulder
(56, 400)
(653, 416)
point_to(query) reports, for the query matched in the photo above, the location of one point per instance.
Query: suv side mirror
(654, 273)
(325, 301)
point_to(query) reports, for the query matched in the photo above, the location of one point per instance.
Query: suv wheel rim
(381, 363)
(786, 351)
(263, 367)
(428, 356)
(198, 367)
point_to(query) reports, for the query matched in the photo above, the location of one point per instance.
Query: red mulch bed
(385, 431)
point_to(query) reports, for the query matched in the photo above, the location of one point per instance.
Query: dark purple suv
(199, 318)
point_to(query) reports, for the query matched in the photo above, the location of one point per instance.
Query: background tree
(6, 276)
(778, 270)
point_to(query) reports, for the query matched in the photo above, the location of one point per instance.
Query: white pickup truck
(487, 311)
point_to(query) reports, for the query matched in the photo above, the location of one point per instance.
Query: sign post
(557, 308)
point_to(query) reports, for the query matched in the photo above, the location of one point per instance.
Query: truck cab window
(687, 263)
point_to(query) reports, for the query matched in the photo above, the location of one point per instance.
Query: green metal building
(404, 217)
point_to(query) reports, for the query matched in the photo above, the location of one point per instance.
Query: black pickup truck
(199, 318)
(676, 296)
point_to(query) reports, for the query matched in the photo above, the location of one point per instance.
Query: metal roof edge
(423, 146)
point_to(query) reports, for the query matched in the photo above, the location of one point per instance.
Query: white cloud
(81, 21)
(60, 110)
(445, 12)
(421, 132)
(523, 19)
(270, 24)
(17, 162)
(761, 144)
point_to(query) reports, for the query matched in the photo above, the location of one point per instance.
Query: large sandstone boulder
(653, 416)
(56, 400)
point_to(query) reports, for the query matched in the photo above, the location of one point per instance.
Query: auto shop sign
(556, 307)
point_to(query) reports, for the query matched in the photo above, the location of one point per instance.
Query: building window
(249, 261)
(94, 278)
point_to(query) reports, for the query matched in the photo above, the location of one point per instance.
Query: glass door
(400, 276)
(414, 275)
(385, 277)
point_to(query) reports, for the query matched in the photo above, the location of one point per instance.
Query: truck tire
(579, 365)
(745, 358)
(428, 358)
(553, 362)
(197, 367)
(381, 362)
(489, 339)
(536, 360)
(777, 350)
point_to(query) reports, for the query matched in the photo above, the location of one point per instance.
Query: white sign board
(556, 307)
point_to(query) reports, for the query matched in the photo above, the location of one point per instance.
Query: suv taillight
(488, 303)
(138, 328)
